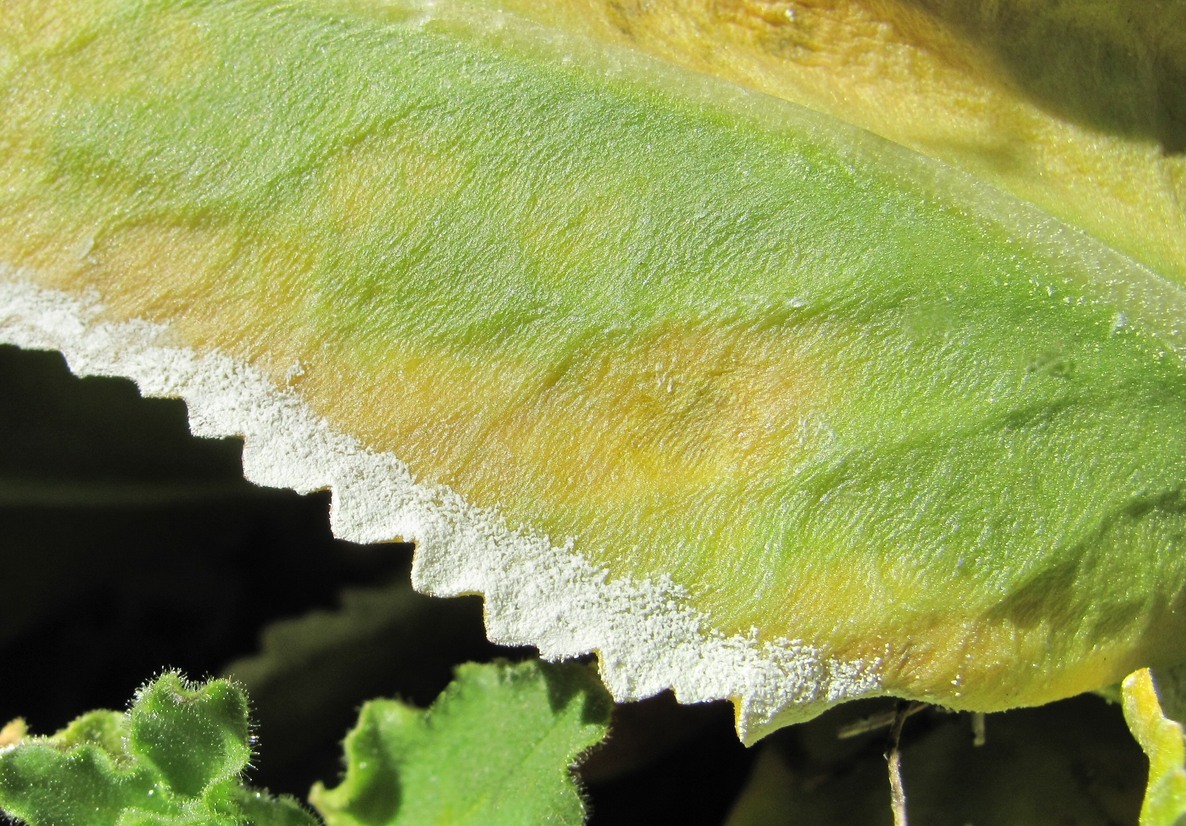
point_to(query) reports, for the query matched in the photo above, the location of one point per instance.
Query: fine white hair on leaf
(537, 591)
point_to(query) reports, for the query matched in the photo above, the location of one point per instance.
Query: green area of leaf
(175, 758)
(495, 748)
(1147, 698)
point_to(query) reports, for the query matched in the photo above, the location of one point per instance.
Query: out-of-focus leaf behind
(1069, 764)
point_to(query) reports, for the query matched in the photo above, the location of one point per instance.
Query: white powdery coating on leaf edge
(536, 593)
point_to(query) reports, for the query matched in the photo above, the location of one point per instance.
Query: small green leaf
(194, 736)
(106, 729)
(495, 748)
(1162, 739)
(174, 759)
(258, 808)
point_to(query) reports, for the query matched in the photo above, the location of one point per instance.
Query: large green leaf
(746, 400)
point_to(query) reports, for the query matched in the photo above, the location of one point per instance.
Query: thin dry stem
(978, 736)
(894, 759)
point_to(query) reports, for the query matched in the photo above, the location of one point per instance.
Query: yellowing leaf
(744, 399)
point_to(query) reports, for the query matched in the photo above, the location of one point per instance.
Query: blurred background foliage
(127, 546)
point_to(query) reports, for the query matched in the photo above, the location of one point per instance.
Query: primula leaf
(495, 748)
(752, 403)
(174, 759)
(1163, 741)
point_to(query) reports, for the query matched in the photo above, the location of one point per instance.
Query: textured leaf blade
(173, 759)
(193, 737)
(1079, 107)
(495, 748)
(782, 412)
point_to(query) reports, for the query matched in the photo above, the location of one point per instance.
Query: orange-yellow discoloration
(168, 45)
(672, 410)
(34, 25)
(13, 733)
(676, 409)
(1000, 654)
(369, 178)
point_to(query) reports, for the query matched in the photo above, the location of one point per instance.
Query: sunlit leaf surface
(746, 400)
